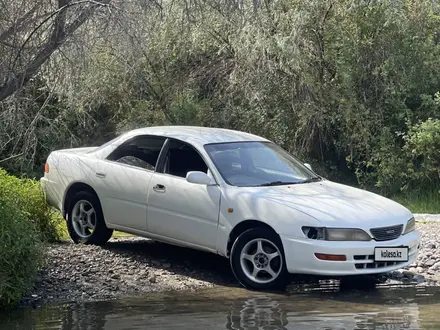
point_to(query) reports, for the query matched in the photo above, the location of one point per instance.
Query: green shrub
(422, 146)
(20, 253)
(411, 165)
(27, 196)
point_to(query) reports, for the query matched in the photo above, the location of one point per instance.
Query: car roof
(197, 135)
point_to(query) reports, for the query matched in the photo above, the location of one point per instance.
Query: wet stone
(397, 275)
(419, 278)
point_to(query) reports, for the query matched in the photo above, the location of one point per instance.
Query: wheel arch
(241, 227)
(72, 190)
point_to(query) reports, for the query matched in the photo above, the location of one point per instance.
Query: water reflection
(235, 309)
(268, 314)
(263, 313)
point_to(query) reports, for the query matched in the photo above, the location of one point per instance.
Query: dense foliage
(350, 86)
(25, 223)
(20, 254)
(26, 195)
(19, 245)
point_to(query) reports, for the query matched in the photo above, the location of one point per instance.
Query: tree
(32, 30)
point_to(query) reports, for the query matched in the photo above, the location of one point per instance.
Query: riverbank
(124, 266)
(129, 266)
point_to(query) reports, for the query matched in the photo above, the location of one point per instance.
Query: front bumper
(301, 259)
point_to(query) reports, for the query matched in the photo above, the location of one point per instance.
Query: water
(232, 308)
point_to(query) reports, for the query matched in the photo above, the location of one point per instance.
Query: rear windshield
(106, 144)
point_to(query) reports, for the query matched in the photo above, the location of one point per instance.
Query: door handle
(100, 174)
(160, 188)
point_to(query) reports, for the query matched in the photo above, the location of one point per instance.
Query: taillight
(46, 168)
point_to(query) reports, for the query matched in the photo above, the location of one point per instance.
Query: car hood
(337, 205)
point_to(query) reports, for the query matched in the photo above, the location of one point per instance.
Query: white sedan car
(230, 193)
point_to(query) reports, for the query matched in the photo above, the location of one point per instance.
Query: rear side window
(141, 151)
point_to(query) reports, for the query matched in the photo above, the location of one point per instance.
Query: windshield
(245, 164)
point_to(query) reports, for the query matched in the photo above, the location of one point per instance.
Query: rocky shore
(427, 266)
(123, 267)
(133, 266)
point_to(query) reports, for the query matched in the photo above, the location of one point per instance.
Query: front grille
(367, 262)
(386, 233)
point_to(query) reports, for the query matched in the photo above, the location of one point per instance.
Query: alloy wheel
(83, 218)
(261, 260)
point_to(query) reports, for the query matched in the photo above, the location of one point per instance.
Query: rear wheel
(85, 220)
(257, 260)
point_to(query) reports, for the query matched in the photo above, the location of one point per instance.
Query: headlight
(336, 234)
(410, 226)
(314, 232)
(346, 235)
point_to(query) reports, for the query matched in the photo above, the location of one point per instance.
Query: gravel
(426, 217)
(428, 260)
(123, 267)
(134, 266)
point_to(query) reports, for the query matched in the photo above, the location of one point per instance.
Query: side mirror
(198, 177)
(308, 166)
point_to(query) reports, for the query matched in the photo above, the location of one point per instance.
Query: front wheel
(257, 260)
(85, 220)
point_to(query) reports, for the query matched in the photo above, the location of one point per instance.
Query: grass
(421, 202)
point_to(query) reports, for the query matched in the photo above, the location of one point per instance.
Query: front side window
(141, 151)
(246, 164)
(182, 158)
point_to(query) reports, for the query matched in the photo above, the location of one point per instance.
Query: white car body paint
(197, 216)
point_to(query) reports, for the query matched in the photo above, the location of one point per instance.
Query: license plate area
(391, 253)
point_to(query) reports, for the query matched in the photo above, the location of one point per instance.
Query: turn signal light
(331, 257)
(46, 168)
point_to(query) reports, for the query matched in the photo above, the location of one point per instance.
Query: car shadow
(182, 261)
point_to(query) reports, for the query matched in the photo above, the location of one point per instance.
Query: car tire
(85, 220)
(362, 282)
(258, 261)
(381, 278)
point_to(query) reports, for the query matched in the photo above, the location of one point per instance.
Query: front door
(179, 210)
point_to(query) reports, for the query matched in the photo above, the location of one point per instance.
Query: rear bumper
(50, 191)
(301, 259)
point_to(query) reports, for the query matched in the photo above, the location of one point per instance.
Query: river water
(232, 308)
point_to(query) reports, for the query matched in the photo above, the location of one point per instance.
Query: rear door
(124, 179)
(177, 209)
